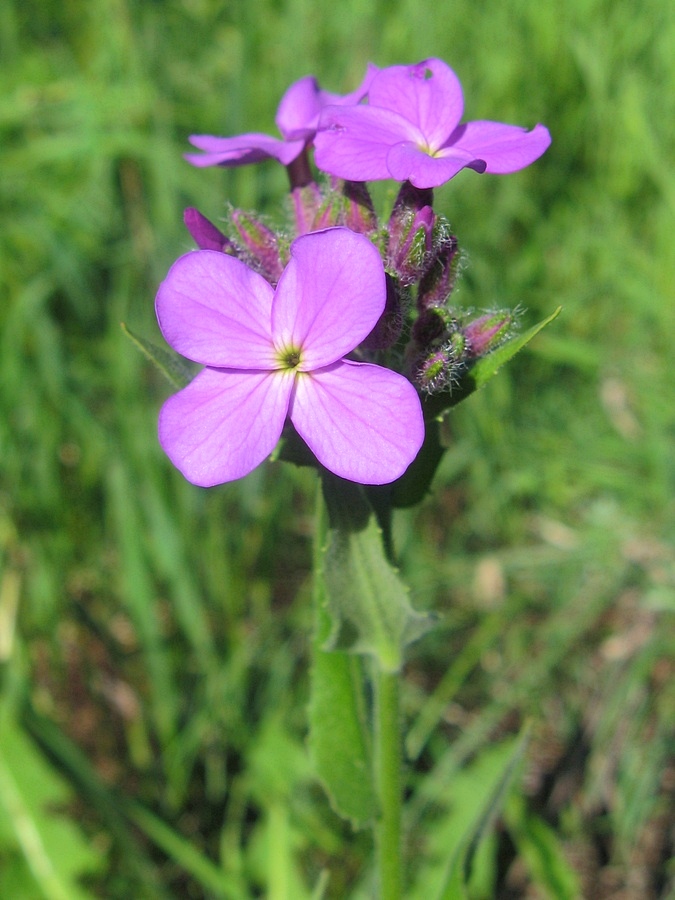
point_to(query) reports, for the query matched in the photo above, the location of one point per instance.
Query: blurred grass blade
(55, 851)
(542, 852)
(97, 795)
(186, 855)
(473, 797)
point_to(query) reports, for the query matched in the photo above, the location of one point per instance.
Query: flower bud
(411, 227)
(486, 333)
(358, 210)
(438, 371)
(438, 281)
(205, 234)
(411, 243)
(306, 202)
(261, 243)
(349, 204)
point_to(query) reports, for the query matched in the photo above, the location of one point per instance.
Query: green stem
(388, 780)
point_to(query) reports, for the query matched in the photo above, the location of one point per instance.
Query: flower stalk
(388, 783)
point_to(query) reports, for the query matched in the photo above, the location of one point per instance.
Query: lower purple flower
(272, 354)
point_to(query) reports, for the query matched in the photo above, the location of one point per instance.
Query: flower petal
(353, 141)
(504, 148)
(427, 94)
(242, 149)
(407, 162)
(361, 421)
(329, 297)
(224, 423)
(298, 113)
(215, 310)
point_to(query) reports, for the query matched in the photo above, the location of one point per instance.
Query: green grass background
(154, 636)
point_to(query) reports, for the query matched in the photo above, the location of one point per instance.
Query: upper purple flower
(297, 119)
(271, 353)
(410, 131)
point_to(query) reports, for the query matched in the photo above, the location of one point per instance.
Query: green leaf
(188, 857)
(473, 799)
(54, 849)
(540, 848)
(484, 369)
(176, 369)
(338, 735)
(365, 597)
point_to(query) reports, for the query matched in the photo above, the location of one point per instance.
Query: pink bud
(205, 234)
(486, 333)
(261, 243)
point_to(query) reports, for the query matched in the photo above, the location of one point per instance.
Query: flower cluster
(336, 328)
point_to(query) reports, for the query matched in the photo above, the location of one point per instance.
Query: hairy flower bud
(438, 371)
(306, 201)
(486, 333)
(411, 243)
(261, 243)
(411, 234)
(438, 281)
(348, 204)
(358, 210)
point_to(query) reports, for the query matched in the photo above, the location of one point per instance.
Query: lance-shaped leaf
(365, 597)
(175, 368)
(338, 732)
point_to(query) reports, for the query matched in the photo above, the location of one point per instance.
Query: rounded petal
(361, 421)
(214, 310)
(353, 141)
(329, 297)
(298, 112)
(242, 149)
(504, 148)
(427, 94)
(406, 162)
(224, 423)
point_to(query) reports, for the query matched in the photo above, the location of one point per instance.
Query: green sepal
(366, 599)
(176, 369)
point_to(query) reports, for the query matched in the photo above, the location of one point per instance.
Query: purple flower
(410, 131)
(272, 354)
(297, 119)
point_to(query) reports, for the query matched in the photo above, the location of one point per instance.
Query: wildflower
(297, 119)
(410, 131)
(272, 354)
